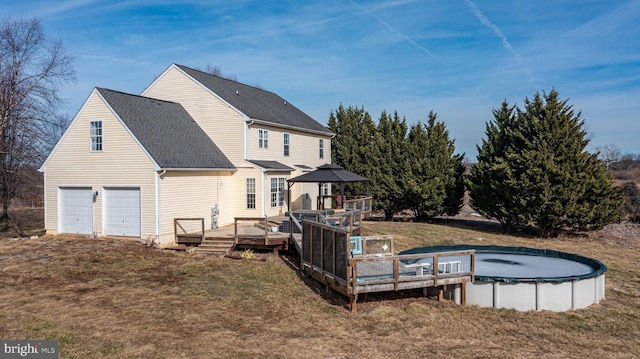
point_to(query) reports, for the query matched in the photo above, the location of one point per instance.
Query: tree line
(533, 168)
(409, 167)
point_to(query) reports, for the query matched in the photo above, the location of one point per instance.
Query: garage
(76, 210)
(122, 211)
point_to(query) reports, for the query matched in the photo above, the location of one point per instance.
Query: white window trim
(286, 139)
(93, 137)
(251, 193)
(279, 192)
(263, 138)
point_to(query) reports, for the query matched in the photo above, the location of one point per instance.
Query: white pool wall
(525, 296)
(556, 293)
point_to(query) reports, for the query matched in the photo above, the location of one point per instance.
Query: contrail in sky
(401, 35)
(483, 19)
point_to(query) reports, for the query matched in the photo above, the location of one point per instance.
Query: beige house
(193, 145)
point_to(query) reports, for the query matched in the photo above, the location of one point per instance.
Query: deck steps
(215, 246)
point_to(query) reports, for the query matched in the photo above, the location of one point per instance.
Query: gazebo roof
(329, 173)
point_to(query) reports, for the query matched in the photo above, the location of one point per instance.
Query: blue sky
(461, 58)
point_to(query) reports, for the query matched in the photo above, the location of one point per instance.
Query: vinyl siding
(237, 203)
(303, 150)
(227, 129)
(303, 146)
(223, 124)
(122, 163)
(191, 194)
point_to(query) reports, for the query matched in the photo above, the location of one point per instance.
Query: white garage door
(122, 211)
(76, 210)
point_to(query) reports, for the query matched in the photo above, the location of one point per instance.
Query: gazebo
(327, 173)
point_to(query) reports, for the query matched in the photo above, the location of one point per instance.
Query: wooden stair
(215, 246)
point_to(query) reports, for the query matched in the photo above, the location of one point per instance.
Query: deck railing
(392, 271)
(254, 228)
(188, 230)
(350, 220)
(262, 232)
(330, 255)
(364, 204)
(370, 245)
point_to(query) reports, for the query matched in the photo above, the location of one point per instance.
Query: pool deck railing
(330, 256)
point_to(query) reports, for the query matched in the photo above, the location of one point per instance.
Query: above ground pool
(530, 279)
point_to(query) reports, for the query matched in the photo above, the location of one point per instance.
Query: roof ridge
(255, 103)
(227, 79)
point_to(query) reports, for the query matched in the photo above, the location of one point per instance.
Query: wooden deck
(262, 233)
(327, 256)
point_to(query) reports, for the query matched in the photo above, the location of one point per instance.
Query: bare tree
(217, 71)
(33, 66)
(609, 154)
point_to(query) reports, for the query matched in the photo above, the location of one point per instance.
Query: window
(325, 189)
(263, 139)
(251, 193)
(277, 192)
(96, 136)
(321, 148)
(286, 144)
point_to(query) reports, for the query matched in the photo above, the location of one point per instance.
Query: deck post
(463, 293)
(175, 230)
(352, 302)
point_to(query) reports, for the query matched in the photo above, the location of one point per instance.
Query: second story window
(96, 136)
(286, 144)
(321, 144)
(263, 139)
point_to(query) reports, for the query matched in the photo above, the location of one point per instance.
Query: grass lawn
(118, 298)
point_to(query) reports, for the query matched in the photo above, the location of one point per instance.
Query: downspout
(264, 188)
(157, 204)
(44, 203)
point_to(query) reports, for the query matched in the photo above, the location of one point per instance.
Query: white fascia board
(300, 129)
(128, 130)
(64, 134)
(198, 169)
(157, 79)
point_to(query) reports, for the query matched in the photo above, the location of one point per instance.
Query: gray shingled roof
(256, 103)
(167, 132)
(271, 165)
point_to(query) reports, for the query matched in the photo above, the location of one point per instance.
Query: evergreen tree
(536, 168)
(386, 181)
(455, 191)
(488, 180)
(434, 185)
(353, 145)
